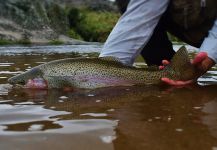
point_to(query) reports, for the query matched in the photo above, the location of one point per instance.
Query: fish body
(92, 73)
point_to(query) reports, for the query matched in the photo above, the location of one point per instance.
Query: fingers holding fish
(176, 83)
(164, 64)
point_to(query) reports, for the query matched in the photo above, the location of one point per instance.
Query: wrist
(204, 66)
(208, 63)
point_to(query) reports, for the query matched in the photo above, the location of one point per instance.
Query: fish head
(16, 80)
(23, 78)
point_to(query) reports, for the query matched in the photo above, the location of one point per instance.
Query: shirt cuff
(209, 45)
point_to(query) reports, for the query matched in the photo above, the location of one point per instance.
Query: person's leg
(159, 46)
(122, 5)
(134, 29)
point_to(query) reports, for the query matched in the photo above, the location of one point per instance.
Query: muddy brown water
(116, 118)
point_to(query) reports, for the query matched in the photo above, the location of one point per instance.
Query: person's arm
(210, 43)
(134, 29)
(204, 60)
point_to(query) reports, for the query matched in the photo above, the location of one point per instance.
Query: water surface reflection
(137, 117)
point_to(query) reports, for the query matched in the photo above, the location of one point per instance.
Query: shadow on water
(136, 117)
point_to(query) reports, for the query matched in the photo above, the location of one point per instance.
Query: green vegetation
(23, 41)
(19, 42)
(56, 42)
(91, 25)
(96, 26)
(5, 42)
(73, 34)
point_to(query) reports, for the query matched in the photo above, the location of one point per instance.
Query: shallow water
(137, 117)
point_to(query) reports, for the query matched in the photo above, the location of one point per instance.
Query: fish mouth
(13, 81)
(16, 84)
(35, 83)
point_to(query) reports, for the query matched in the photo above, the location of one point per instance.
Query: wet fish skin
(92, 73)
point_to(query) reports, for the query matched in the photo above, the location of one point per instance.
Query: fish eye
(22, 82)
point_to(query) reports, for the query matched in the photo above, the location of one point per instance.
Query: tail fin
(180, 67)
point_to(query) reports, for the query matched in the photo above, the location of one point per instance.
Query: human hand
(202, 64)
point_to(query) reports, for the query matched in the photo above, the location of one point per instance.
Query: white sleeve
(134, 29)
(209, 45)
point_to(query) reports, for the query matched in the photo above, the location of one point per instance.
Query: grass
(93, 26)
(18, 42)
(5, 42)
(73, 34)
(27, 42)
(96, 26)
(56, 42)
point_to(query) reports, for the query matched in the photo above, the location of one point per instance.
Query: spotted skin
(95, 72)
(92, 73)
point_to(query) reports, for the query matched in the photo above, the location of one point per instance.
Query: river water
(116, 118)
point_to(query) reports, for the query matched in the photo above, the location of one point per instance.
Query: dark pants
(159, 46)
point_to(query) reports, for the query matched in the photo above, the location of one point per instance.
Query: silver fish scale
(95, 72)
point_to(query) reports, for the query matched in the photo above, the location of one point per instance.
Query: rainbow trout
(92, 73)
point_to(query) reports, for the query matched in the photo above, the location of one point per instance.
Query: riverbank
(62, 40)
(50, 22)
(54, 22)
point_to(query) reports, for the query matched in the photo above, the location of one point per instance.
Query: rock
(40, 21)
